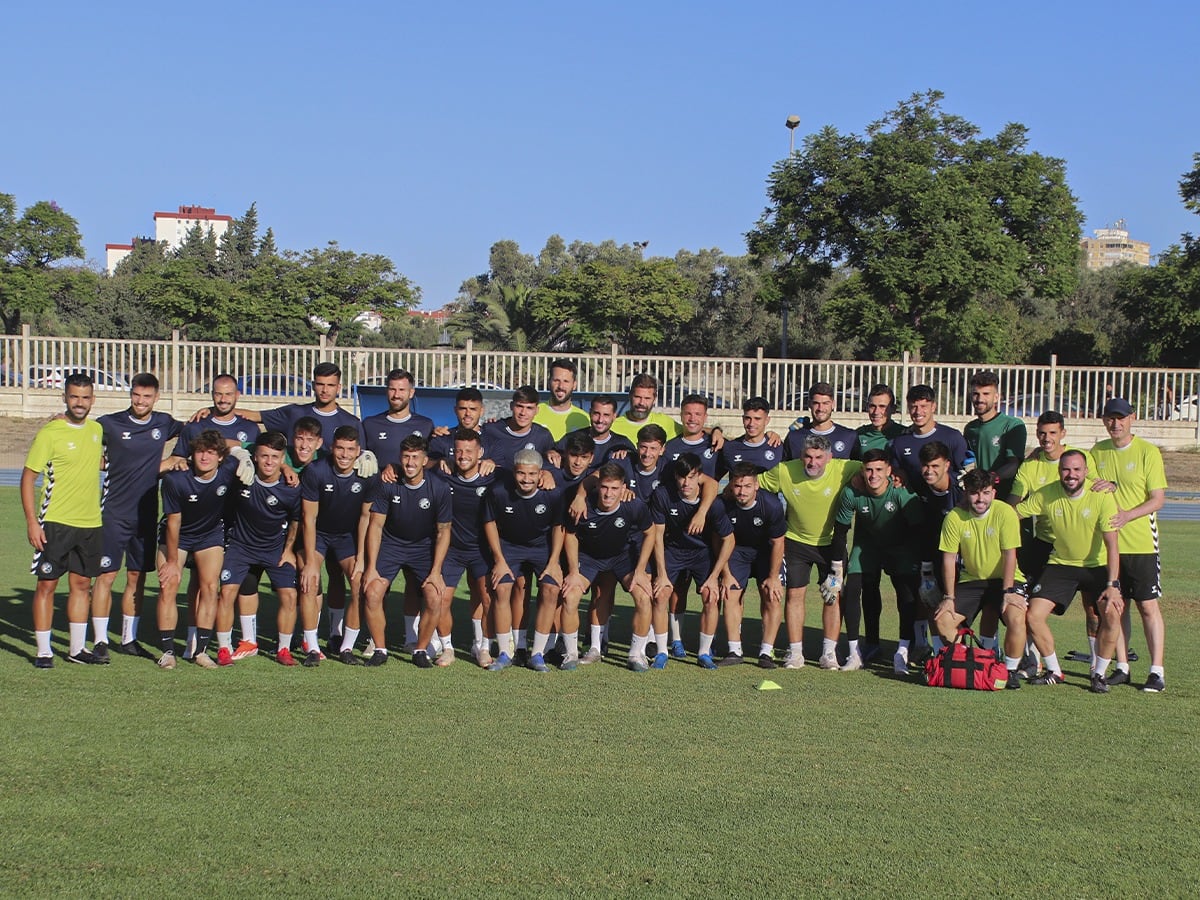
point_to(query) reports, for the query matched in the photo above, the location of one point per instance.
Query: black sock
(203, 636)
(166, 640)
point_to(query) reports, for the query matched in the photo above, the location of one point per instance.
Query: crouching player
(986, 536)
(336, 504)
(192, 534)
(602, 549)
(682, 557)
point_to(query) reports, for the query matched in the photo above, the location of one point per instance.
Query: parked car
(1030, 406)
(1187, 409)
(55, 377)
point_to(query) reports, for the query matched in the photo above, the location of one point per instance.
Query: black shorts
(1059, 584)
(972, 596)
(800, 559)
(68, 549)
(1141, 576)
(1033, 556)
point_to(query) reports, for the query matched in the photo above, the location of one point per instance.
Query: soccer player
(643, 394)
(602, 550)
(887, 521)
(410, 530)
(810, 487)
(683, 556)
(468, 493)
(755, 446)
(326, 386)
(65, 528)
(468, 410)
(906, 448)
(644, 473)
(518, 432)
(192, 535)
(1085, 557)
(693, 413)
(842, 440)
(1135, 467)
(385, 430)
(261, 537)
(221, 416)
(607, 444)
(578, 459)
(759, 527)
(997, 439)
(940, 493)
(135, 440)
(985, 535)
(519, 522)
(336, 508)
(560, 415)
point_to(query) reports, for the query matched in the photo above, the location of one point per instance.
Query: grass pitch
(127, 780)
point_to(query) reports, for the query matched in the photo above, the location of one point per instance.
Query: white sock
(78, 632)
(99, 630)
(477, 632)
(285, 642)
(1012, 663)
(225, 640)
(1092, 646)
(540, 639)
(766, 650)
(571, 645)
(595, 635)
(250, 629)
(410, 629)
(828, 645)
(660, 638)
(796, 649)
(434, 648)
(43, 643)
(674, 622)
(337, 621)
(1158, 670)
(1101, 665)
(735, 647)
(310, 639)
(637, 645)
(1123, 667)
(447, 641)
(852, 648)
(706, 643)
(129, 628)
(504, 643)
(1052, 663)
(349, 638)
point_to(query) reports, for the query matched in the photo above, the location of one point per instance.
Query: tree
(43, 235)
(933, 221)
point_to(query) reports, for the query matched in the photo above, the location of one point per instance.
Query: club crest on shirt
(156, 433)
(770, 454)
(423, 503)
(221, 491)
(540, 509)
(839, 446)
(619, 522)
(758, 521)
(890, 506)
(272, 500)
(356, 488)
(996, 441)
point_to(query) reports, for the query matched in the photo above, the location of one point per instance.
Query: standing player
(756, 446)
(810, 487)
(940, 493)
(468, 410)
(518, 432)
(192, 535)
(759, 527)
(643, 394)
(384, 431)
(997, 439)
(410, 530)
(560, 415)
(1085, 557)
(65, 528)
(603, 550)
(906, 448)
(693, 413)
(682, 557)
(221, 416)
(336, 507)
(842, 440)
(608, 445)
(134, 443)
(986, 536)
(1135, 467)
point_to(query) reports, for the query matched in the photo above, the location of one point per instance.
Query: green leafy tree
(932, 219)
(30, 245)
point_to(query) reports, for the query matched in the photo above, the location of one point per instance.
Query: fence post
(904, 377)
(25, 367)
(469, 363)
(758, 373)
(614, 384)
(176, 369)
(324, 352)
(1052, 391)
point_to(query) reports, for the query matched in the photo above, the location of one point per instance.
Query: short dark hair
(643, 380)
(401, 375)
(933, 450)
(210, 439)
(325, 369)
(689, 399)
(346, 433)
(414, 442)
(1052, 417)
(224, 376)
(272, 440)
(579, 443)
(744, 470)
(468, 395)
(876, 455)
(684, 464)
(652, 432)
(526, 393)
(821, 388)
(470, 435)
(977, 479)
(144, 380)
(309, 425)
(605, 400)
(568, 364)
(1073, 451)
(610, 471)
(984, 379)
(920, 392)
(756, 403)
(78, 379)
(879, 389)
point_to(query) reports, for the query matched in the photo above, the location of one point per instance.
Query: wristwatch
(1116, 584)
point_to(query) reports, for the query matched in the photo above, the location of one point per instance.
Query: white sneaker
(828, 661)
(483, 655)
(793, 660)
(446, 658)
(900, 662)
(854, 662)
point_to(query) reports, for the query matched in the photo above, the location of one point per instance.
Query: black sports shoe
(1048, 678)
(1099, 684)
(377, 659)
(86, 658)
(731, 659)
(1119, 676)
(1154, 684)
(312, 659)
(766, 661)
(347, 657)
(421, 660)
(43, 662)
(100, 654)
(133, 648)
(1014, 680)
(520, 658)
(1131, 655)
(333, 647)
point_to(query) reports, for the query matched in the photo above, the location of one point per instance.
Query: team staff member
(810, 487)
(985, 535)
(1135, 467)
(134, 443)
(643, 394)
(560, 415)
(997, 439)
(65, 528)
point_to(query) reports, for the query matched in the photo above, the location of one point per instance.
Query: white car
(55, 378)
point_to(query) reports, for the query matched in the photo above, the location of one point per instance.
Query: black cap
(1117, 406)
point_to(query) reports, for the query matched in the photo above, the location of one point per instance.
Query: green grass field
(127, 780)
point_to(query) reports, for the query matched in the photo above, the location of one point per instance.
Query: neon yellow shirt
(811, 502)
(559, 423)
(69, 457)
(1136, 470)
(1035, 474)
(982, 540)
(623, 426)
(1078, 522)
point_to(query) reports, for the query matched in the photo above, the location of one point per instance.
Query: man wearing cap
(1134, 467)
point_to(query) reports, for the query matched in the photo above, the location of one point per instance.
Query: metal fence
(36, 364)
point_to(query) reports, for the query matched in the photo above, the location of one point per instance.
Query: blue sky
(428, 132)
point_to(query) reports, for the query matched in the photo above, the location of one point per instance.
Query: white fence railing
(30, 365)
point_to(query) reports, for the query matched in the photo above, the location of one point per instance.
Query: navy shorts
(620, 565)
(523, 559)
(239, 564)
(393, 556)
(695, 565)
(749, 564)
(462, 559)
(337, 546)
(128, 541)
